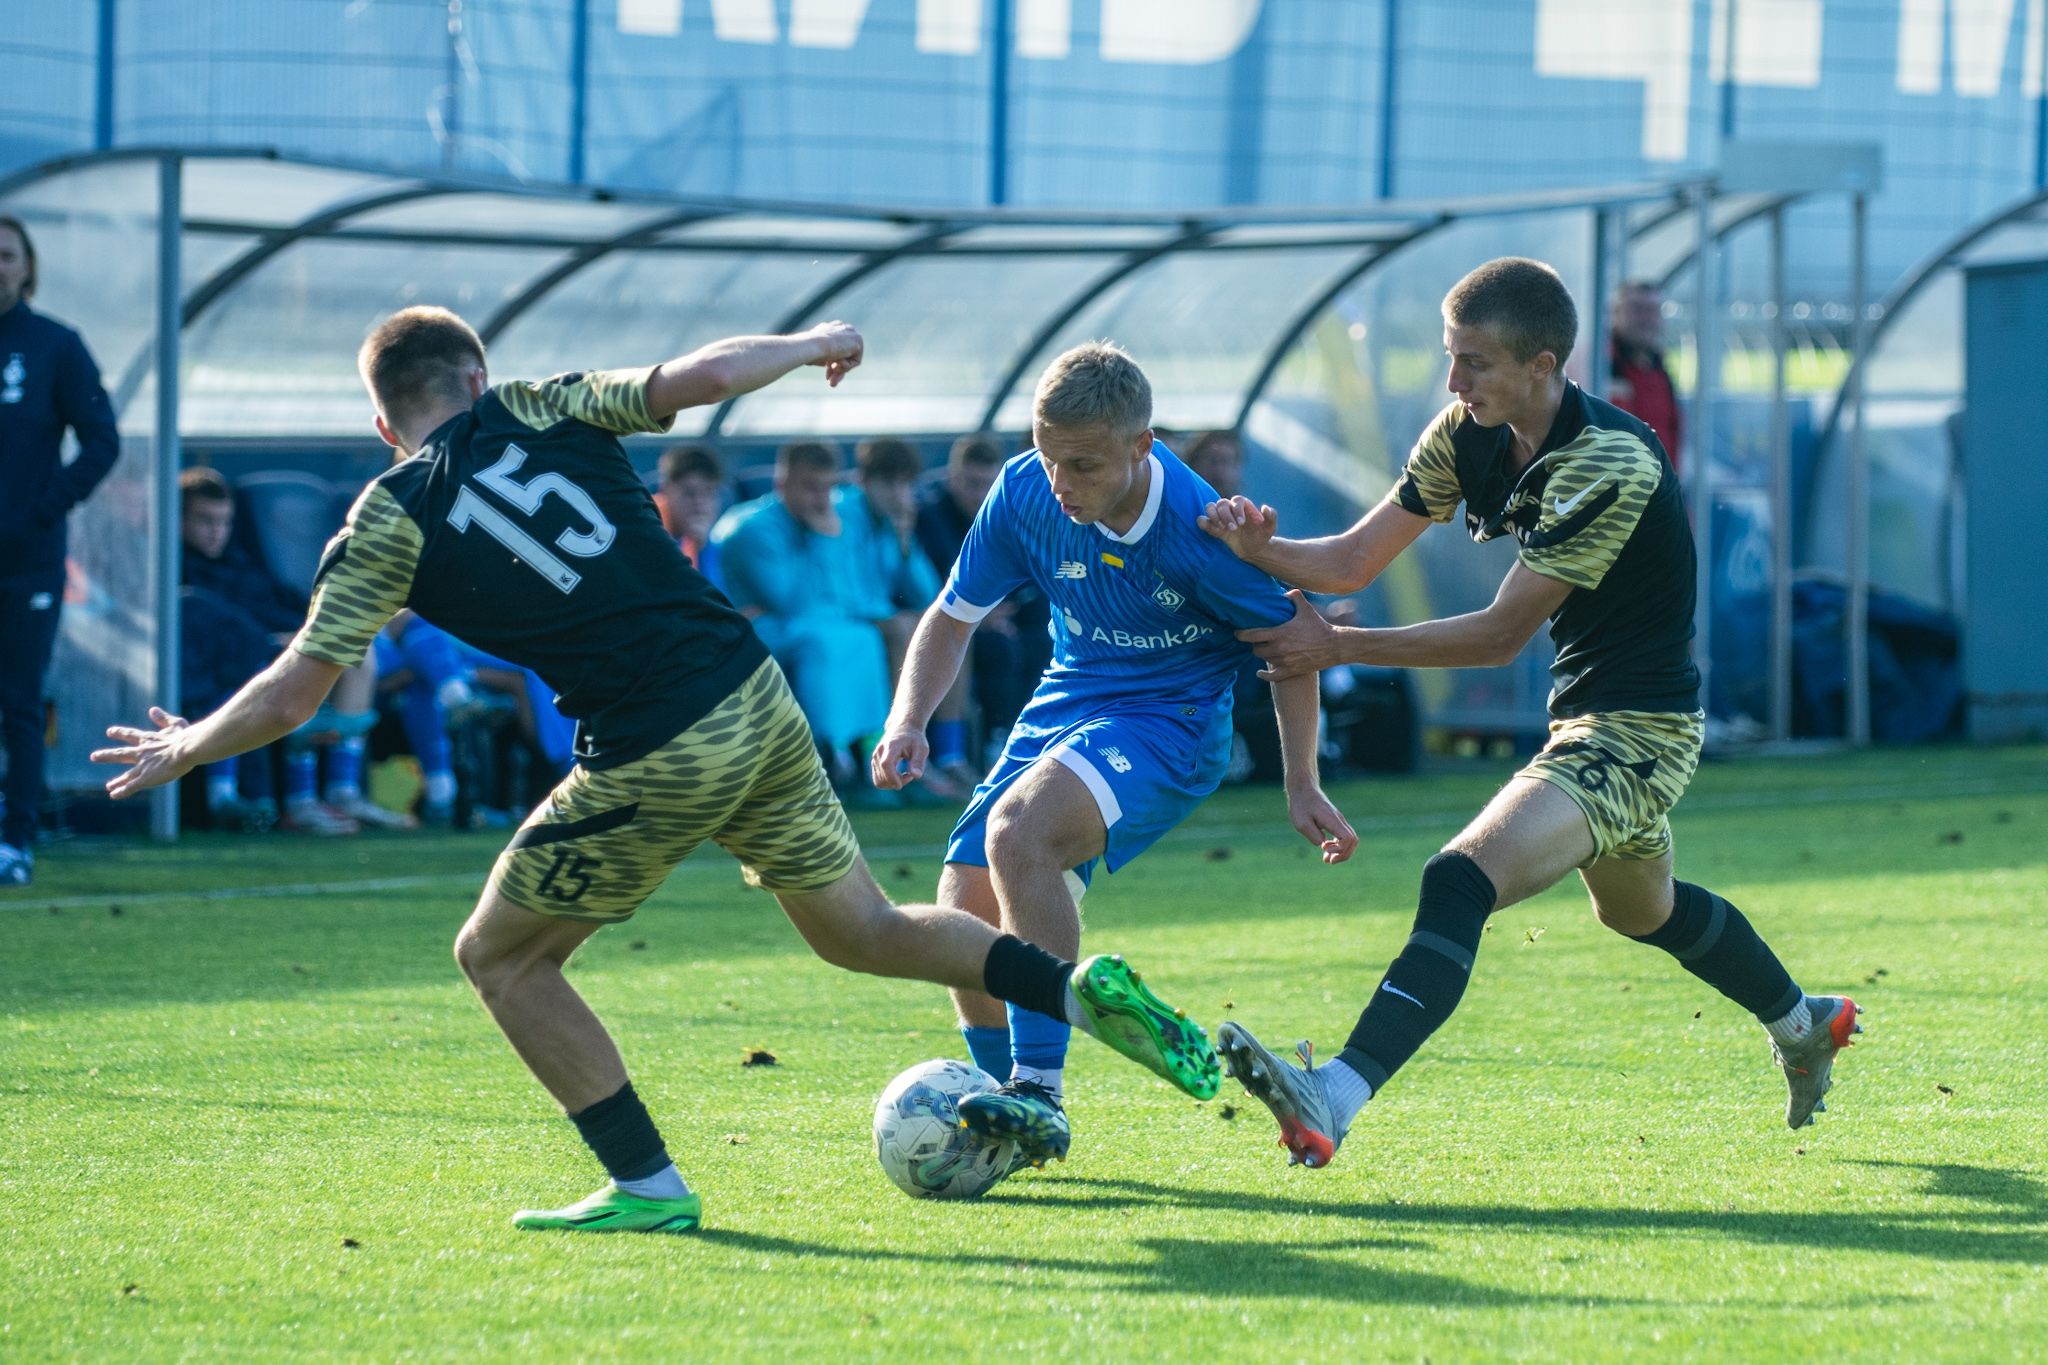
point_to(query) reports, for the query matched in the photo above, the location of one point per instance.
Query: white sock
(1346, 1090)
(1793, 1025)
(666, 1183)
(1049, 1078)
(1077, 1014)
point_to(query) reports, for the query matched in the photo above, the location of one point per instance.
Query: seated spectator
(788, 562)
(1218, 456)
(1014, 642)
(222, 583)
(690, 495)
(880, 512)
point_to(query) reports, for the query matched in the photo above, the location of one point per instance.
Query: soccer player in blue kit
(1130, 726)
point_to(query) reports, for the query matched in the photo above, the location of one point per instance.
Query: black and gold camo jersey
(1598, 508)
(521, 528)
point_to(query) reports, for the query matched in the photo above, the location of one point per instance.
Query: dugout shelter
(224, 293)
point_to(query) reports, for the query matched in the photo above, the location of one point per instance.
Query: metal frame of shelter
(1659, 223)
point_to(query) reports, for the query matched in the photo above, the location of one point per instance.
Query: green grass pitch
(245, 1122)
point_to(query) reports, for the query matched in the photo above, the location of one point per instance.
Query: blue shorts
(1146, 770)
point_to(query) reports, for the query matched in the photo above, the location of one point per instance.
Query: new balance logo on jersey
(1115, 759)
(1070, 568)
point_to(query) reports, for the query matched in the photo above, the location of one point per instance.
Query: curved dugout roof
(285, 264)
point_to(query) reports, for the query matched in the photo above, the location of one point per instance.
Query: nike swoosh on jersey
(1564, 509)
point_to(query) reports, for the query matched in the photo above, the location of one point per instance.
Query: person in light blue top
(1130, 726)
(790, 563)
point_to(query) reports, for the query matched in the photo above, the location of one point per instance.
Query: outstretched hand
(1306, 644)
(1322, 824)
(152, 756)
(1245, 526)
(899, 759)
(843, 348)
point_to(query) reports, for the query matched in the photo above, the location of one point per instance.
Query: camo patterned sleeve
(614, 400)
(1595, 495)
(1428, 485)
(365, 577)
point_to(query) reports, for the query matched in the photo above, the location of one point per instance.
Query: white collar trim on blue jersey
(1151, 512)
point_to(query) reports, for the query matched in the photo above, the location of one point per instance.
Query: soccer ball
(919, 1140)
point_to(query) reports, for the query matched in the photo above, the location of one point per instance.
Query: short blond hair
(417, 359)
(1095, 384)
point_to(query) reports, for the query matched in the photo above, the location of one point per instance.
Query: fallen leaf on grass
(756, 1056)
(638, 945)
(1871, 980)
(131, 1289)
(1695, 1014)
(1230, 1004)
(350, 1244)
(1217, 855)
(1534, 932)
(1226, 1111)
(1944, 1091)
(1799, 1151)
(736, 1139)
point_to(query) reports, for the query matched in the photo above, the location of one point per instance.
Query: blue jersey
(1140, 621)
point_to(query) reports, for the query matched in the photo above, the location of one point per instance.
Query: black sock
(1427, 980)
(619, 1131)
(1025, 975)
(1712, 940)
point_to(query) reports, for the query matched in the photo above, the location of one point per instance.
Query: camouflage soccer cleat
(1294, 1093)
(611, 1209)
(1023, 1112)
(1124, 1014)
(1809, 1063)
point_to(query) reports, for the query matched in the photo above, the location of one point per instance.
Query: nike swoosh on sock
(1392, 989)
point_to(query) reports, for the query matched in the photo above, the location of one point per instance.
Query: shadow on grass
(1182, 1266)
(2016, 1231)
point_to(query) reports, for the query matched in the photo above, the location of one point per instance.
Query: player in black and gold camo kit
(515, 521)
(1607, 558)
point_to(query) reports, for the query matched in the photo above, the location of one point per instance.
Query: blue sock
(990, 1048)
(301, 775)
(345, 769)
(1038, 1044)
(949, 743)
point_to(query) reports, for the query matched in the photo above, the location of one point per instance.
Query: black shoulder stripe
(336, 551)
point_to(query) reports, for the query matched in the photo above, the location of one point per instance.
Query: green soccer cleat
(611, 1209)
(1124, 1014)
(1809, 1064)
(1023, 1112)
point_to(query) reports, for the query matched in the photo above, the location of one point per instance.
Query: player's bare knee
(1629, 916)
(1011, 841)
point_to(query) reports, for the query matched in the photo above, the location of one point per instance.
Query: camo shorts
(1625, 770)
(746, 776)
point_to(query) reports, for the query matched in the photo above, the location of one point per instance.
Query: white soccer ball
(919, 1140)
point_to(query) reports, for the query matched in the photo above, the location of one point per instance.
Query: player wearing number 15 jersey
(515, 521)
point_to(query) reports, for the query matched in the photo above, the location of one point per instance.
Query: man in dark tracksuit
(47, 382)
